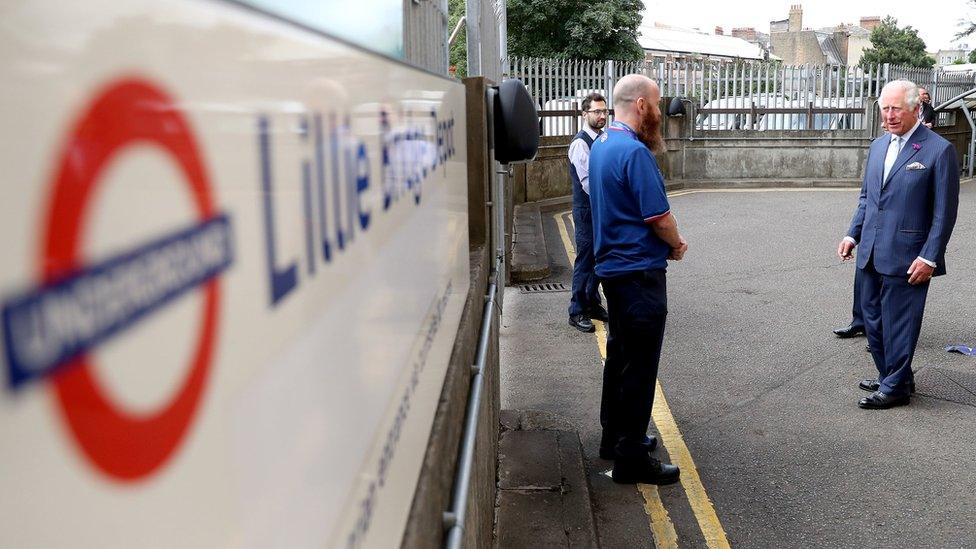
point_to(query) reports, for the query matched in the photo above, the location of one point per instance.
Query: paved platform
(763, 396)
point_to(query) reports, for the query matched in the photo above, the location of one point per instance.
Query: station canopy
(968, 98)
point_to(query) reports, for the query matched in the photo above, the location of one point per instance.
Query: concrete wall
(797, 48)
(856, 44)
(547, 176)
(425, 526)
(720, 158)
(818, 157)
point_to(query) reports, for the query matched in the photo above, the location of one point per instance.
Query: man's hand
(919, 272)
(679, 252)
(845, 250)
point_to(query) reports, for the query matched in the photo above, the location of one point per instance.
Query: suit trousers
(857, 318)
(638, 308)
(893, 311)
(585, 282)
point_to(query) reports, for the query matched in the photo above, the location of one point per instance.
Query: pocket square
(915, 166)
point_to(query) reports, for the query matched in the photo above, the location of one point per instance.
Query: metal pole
(972, 136)
(472, 15)
(457, 29)
(454, 518)
(503, 38)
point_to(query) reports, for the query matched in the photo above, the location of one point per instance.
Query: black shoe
(871, 386)
(645, 470)
(599, 313)
(868, 385)
(608, 452)
(849, 331)
(880, 401)
(581, 323)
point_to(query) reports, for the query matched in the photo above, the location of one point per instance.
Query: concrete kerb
(543, 491)
(530, 260)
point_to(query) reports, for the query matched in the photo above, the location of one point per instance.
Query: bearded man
(634, 236)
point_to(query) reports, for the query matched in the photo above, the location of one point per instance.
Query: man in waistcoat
(584, 303)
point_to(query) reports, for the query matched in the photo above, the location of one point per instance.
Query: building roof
(962, 67)
(688, 41)
(829, 49)
(967, 97)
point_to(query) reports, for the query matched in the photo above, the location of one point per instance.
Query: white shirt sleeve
(579, 156)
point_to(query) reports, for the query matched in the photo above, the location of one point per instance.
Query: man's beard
(598, 125)
(649, 132)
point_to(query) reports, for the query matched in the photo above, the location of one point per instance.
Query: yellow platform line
(661, 525)
(701, 505)
(665, 536)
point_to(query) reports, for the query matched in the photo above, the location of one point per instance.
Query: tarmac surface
(763, 393)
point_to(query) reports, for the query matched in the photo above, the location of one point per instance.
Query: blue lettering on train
(335, 176)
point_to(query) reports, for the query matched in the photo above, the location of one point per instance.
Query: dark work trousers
(893, 311)
(585, 294)
(857, 317)
(638, 308)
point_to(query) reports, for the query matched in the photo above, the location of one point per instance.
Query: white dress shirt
(579, 156)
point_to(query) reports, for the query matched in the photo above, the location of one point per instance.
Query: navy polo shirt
(626, 193)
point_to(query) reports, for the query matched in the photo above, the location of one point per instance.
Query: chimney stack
(870, 22)
(796, 18)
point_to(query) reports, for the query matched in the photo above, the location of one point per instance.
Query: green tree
(896, 46)
(574, 29)
(972, 56)
(968, 27)
(458, 54)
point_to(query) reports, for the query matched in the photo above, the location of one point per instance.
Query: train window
(373, 24)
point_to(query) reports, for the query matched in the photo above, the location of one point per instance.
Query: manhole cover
(543, 288)
(946, 384)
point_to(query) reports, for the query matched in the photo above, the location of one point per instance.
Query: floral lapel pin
(917, 146)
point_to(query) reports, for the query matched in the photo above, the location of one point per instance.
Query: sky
(937, 21)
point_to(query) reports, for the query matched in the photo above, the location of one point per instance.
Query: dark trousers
(857, 317)
(638, 307)
(893, 311)
(585, 295)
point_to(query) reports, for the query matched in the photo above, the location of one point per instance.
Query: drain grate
(545, 287)
(946, 384)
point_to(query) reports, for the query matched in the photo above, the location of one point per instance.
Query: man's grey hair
(912, 98)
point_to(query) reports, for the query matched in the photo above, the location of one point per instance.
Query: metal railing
(454, 518)
(560, 85)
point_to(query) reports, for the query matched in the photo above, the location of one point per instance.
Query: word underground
(50, 325)
(337, 184)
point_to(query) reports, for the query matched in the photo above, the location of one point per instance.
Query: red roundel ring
(124, 446)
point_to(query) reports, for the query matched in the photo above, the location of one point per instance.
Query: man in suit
(926, 112)
(902, 224)
(584, 302)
